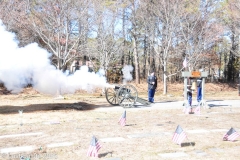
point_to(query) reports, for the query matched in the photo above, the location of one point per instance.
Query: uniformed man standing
(152, 85)
(199, 89)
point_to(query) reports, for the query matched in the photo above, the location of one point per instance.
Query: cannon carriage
(125, 96)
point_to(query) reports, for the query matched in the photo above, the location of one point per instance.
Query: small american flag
(122, 120)
(187, 110)
(185, 63)
(231, 135)
(179, 135)
(197, 110)
(94, 147)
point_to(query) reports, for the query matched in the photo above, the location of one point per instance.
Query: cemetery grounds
(61, 128)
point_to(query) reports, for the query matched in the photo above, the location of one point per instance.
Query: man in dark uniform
(199, 89)
(152, 85)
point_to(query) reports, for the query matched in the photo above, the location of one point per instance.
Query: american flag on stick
(197, 110)
(179, 135)
(93, 148)
(186, 110)
(122, 120)
(231, 135)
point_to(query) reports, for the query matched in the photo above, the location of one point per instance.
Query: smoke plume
(127, 76)
(31, 65)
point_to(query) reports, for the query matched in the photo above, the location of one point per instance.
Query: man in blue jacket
(199, 89)
(152, 85)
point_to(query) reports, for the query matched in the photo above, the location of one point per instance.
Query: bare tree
(146, 33)
(105, 45)
(229, 16)
(199, 31)
(13, 14)
(166, 23)
(56, 23)
(60, 26)
(135, 33)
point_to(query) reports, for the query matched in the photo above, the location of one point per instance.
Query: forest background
(147, 34)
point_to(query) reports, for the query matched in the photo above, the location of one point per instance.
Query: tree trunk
(165, 77)
(145, 58)
(231, 69)
(59, 60)
(136, 61)
(123, 61)
(149, 59)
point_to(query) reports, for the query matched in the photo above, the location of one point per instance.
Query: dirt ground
(147, 135)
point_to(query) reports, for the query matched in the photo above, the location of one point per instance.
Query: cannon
(125, 96)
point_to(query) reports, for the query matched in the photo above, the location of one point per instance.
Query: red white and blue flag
(93, 148)
(197, 109)
(179, 135)
(187, 110)
(122, 120)
(231, 135)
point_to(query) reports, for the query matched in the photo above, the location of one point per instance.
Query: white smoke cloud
(127, 73)
(101, 72)
(31, 64)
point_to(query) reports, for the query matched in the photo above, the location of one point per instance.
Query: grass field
(62, 128)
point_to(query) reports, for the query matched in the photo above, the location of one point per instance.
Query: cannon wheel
(127, 95)
(111, 96)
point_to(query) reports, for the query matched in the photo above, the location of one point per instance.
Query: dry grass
(61, 121)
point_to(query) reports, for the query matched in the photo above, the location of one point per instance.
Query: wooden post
(185, 75)
(185, 88)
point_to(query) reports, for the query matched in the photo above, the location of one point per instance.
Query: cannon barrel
(116, 87)
(123, 88)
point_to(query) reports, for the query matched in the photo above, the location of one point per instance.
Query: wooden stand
(194, 74)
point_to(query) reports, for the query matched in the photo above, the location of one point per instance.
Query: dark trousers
(189, 97)
(151, 93)
(199, 94)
